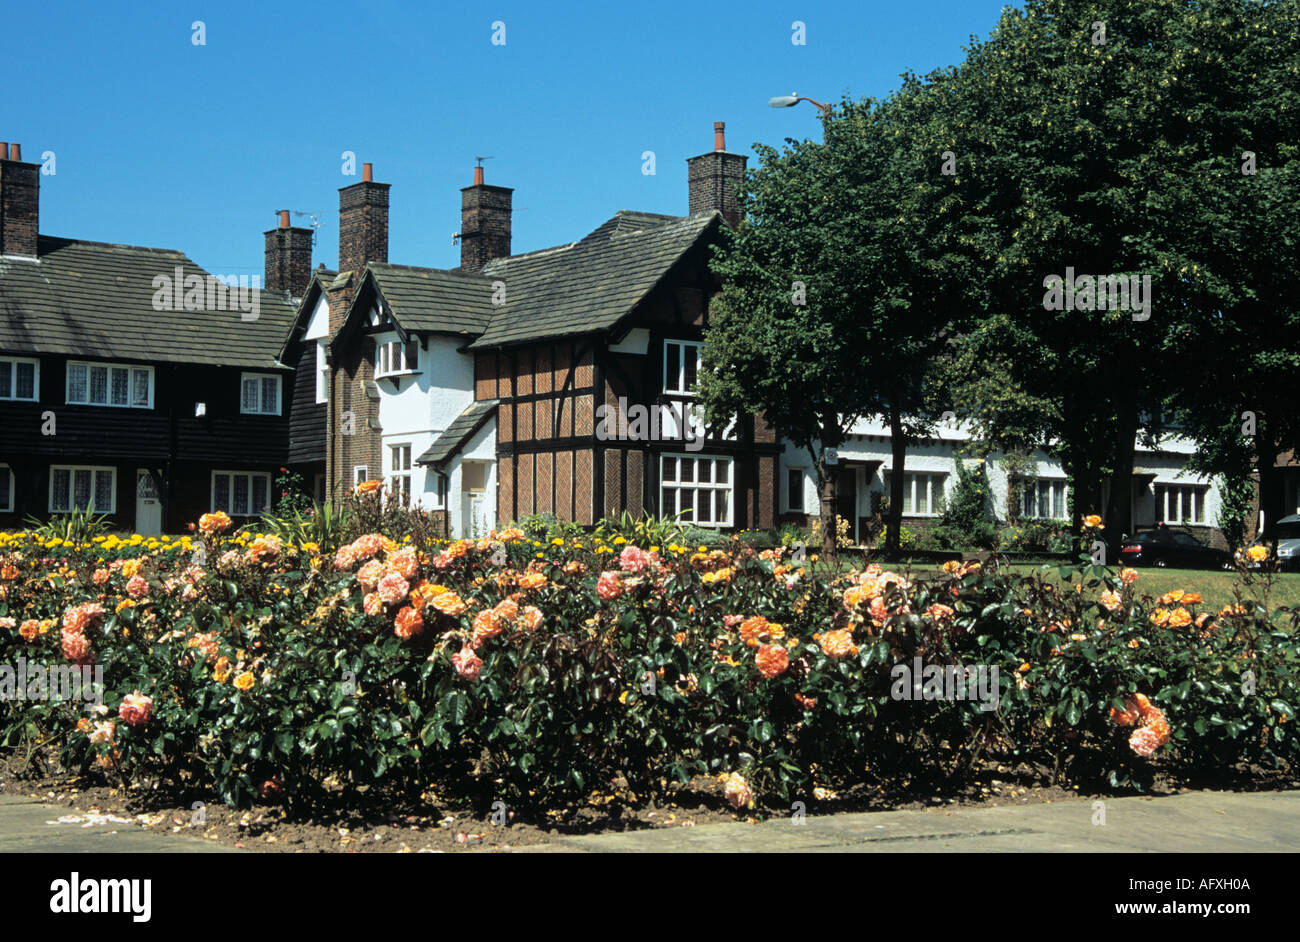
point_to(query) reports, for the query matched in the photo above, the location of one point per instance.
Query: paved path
(1195, 821)
(25, 827)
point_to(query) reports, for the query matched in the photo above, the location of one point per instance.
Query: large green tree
(837, 302)
(1099, 138)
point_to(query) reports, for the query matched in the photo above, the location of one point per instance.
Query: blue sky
(161, 142)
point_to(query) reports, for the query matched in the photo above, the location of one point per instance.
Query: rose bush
(539, 671)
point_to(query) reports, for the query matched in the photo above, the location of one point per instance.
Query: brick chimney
(20, 201)
(363, 222)
(288, 258)
(484, 222)
(716, 178)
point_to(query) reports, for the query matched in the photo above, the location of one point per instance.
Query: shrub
(499, 668)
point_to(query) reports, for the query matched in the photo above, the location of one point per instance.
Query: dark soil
(362, 823)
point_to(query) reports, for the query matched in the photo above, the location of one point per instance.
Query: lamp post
(789, 101)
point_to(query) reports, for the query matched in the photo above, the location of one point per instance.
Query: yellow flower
(1257, 554)
(245, 681)
(1093, 520)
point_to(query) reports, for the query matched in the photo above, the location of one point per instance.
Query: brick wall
(20, 198)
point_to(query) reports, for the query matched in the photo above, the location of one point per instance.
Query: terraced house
(129, 384)
(506, 387)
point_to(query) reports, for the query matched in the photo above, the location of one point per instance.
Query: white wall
(869, 441)
(417, 407)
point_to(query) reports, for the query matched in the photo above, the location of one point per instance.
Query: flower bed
(536, 672)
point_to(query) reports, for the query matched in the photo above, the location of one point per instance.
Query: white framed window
(322, 372)
(681, 365)
(1044, 499)
(399, 478)
(241, 493)
(83, 487)
(6, 489)
(393, 357)
(259, 394)
(105, 384)
(922, 493)
(700, 489)
(360, 474)
(794, 490)
(1180, 503)
(442, 491)
(20, 379)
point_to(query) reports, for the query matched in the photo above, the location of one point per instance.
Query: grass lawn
(1215, 585)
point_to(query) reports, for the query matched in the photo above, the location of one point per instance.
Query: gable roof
(435, 300)
(462, 428)
(567, 290)
(321, 279)
(96, 299)
(589, 285)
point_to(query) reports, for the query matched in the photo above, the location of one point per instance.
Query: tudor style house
(505, 387)
(132, 383)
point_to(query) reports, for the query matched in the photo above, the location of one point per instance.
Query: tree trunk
(826, 488)
(898, 453)
(1119, 508)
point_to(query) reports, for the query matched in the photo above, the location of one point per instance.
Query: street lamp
(789, 101)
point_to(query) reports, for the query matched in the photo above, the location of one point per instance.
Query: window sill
(397, 374)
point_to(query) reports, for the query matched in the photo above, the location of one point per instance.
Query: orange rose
(772, 660)
(837, 643)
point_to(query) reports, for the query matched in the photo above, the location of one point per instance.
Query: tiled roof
(588, 285)
(458, 433)
(95, 298)
(431, 299)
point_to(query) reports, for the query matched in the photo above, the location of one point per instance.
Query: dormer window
(394, 357)
(681, 365)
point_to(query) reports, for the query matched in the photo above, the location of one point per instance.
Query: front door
(148, 504)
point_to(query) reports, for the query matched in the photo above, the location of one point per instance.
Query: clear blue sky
(163, 143)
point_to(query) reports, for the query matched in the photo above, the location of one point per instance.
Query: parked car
(1162, 547)
(1287, 532)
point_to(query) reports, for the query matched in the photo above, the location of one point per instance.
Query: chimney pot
(478, 175)
(4, 150)
(284, 219)
(719, 135)
(367, 172)
(15, 152)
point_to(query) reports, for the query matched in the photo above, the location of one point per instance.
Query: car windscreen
(1287, 531)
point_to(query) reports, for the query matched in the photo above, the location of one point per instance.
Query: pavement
(28, 826)
(1236, 822)
(1191, 822)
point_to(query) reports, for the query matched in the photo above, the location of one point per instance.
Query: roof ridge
(117, 245)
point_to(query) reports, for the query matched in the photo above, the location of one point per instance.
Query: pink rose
(136, 709)
(137, 587)
(393, 588)
(467, 663)
(372, 604)
(370, 574)
(608, 586)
